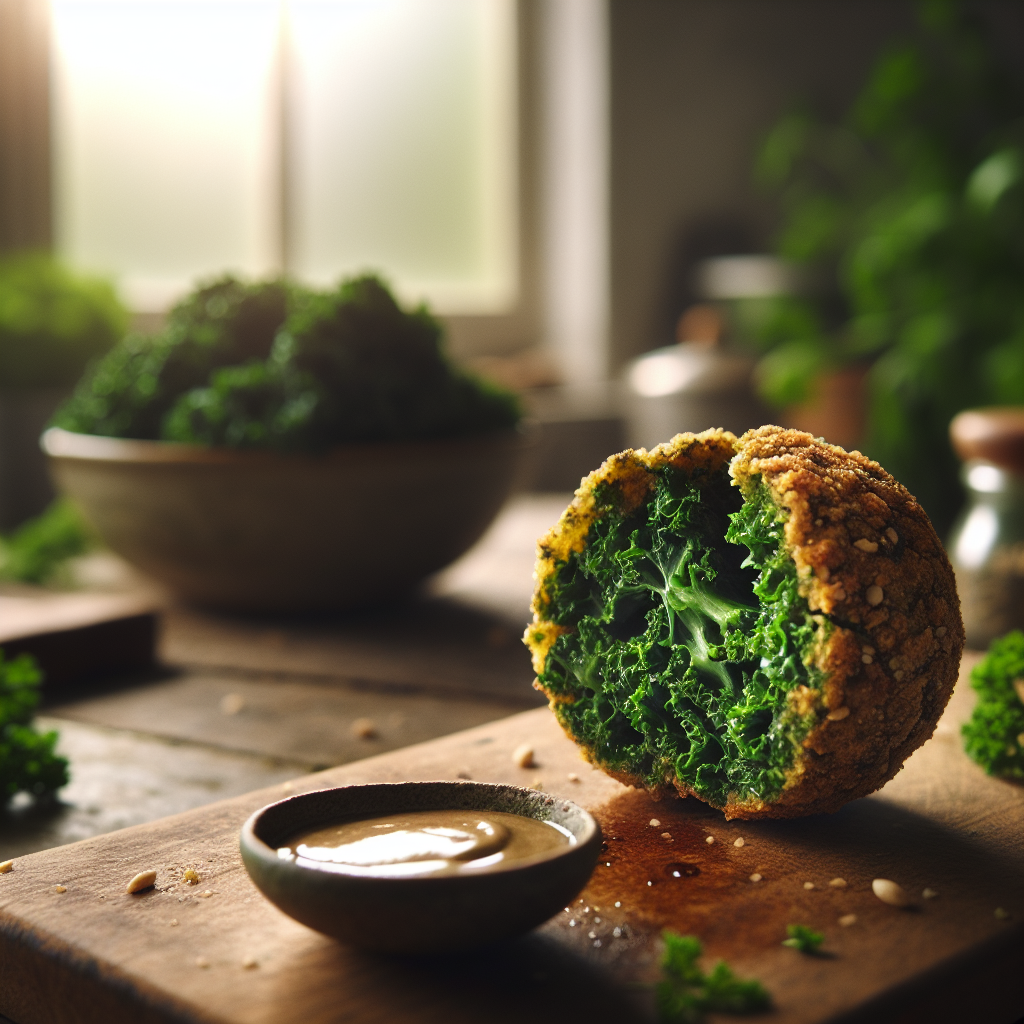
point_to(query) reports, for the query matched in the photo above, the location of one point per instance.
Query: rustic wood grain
(78, 636)
(93, 953)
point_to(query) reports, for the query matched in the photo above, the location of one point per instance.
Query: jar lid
(995, 435)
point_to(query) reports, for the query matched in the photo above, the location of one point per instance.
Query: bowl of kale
(275, 448)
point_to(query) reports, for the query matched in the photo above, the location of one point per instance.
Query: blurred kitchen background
(643, 215)
(560, 179)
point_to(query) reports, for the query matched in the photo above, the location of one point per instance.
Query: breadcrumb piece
(655, 823)
(523, 756)
(709, 840)
(890, 892)
(739, 842)
(838, 883)
(808, 885)
(364, 728)
(847, 919)
(755, 877)
(838, 714)
(191, 877)
(6, 866)
(143, 880)
(60, 888)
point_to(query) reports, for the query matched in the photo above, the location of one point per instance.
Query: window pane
(402, 128)
(165, 134)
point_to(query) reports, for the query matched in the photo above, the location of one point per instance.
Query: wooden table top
(92, 953)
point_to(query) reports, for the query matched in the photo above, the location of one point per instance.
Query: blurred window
(322, 137)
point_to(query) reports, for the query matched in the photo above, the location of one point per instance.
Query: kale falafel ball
(769, 624)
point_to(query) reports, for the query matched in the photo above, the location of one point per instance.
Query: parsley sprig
(686, 993)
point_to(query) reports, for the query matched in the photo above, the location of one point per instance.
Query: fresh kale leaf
(805, 939)
(686, 633)
(994, 734)
(27, 759)
(686, 993)
(37, 550)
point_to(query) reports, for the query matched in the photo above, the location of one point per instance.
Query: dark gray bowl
(419, 914)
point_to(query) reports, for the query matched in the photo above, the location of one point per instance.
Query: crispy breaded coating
(874, 576)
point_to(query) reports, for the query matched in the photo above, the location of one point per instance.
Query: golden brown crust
(870, 567)
(868, 558)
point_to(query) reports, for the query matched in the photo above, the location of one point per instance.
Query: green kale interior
(687, 633)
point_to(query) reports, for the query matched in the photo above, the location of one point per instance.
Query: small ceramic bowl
(419, 914)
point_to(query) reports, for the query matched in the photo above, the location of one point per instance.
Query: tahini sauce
(417, 843)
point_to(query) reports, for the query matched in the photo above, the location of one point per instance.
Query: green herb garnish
(27, 761)
(686, 993)
(805, 939)
(994, 734)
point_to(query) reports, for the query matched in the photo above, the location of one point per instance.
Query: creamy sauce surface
(418, 843)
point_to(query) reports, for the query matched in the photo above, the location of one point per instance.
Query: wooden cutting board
(92, 953)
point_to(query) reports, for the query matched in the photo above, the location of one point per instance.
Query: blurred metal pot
(691, 386)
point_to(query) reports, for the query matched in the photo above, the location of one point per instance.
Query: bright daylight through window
(318, 137)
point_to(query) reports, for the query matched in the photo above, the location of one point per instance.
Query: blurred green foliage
(911, 204)
(52, 322)
(994, 734)
(276, 366)
(37, 551)
(28, 763)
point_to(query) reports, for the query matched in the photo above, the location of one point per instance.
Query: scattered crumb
(618, 903)
(808, 885)
(1001, 914)
(64, 888)
(463, 774)
(6, 866)
(655, 823)
(847, 919)
(930, 894)
(202, 962)
(537, 784)
(844, 712)
(709, 840)
(838, 883)
(755, 877)
(205, 895)
(866, 545)
(523, 756)
(889, 892)
(666, 835)
(573, 777)
(174, 922)
(191, 877)
(364, 728)
(867, 659)
(739, 842)
(143, 880)
(231, 703)
(874, 594)
(249, 963)
(892, 535)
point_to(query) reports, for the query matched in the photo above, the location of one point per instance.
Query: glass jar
(986, 545)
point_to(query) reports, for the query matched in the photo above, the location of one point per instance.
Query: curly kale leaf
(994, 734)
(27, 759)
(39, 548)
(272, 366)
(804, 939)
(225, 323)
(687, 632)
(686, 993)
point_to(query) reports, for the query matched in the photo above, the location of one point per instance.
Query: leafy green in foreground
(27, 761)
(687, 635)
(686, 993)
(805, 939)
(38, 549)
(994, 734)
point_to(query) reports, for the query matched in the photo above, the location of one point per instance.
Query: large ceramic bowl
(419, 914)
(258, 531)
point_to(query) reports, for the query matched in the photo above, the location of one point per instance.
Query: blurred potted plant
(912, 204)
(52, 324)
